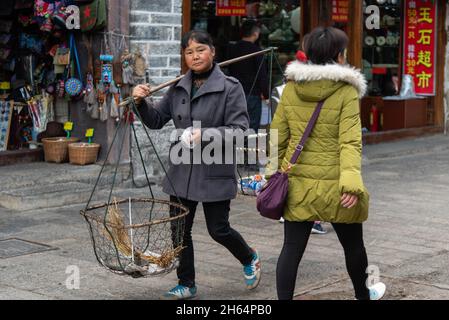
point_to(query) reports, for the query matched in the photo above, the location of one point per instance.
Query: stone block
(174, 62)
(153, 5)
(177, 6)
(139, 17)
(171, 73)
(158, 62)
(165, 48)
(149, 32)
(166, 19)
(155, 73)
(177, 33)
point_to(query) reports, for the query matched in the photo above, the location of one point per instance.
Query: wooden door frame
(186, 25)
(355, 50)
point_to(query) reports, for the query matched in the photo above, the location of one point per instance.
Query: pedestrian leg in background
(254, 112)
(318, 228)
(296, 236)
(351, 238)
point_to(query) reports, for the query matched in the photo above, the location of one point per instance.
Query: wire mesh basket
(137, 237)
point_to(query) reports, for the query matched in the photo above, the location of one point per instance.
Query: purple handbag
(272, 197)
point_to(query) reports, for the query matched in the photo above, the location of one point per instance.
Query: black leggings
(296, 236)
(217, 222)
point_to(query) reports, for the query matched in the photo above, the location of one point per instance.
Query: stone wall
(155, 30)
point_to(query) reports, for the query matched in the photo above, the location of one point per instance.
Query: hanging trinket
(127, 67)
(114, 106)
(89, 96)
(140, 64)
(106, 68)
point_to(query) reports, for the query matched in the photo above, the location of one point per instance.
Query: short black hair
(323, 45)
(199, 36)
(249, 27)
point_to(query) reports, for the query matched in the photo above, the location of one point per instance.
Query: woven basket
(56, 149)
(83, 153)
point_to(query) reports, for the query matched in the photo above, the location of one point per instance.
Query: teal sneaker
(252, 272)
(180, 292)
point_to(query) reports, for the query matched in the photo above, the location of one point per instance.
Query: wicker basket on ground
(56, 149)
(83, 153)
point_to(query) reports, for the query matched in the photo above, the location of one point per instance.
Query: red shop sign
(420, 31)
(231, 8)
(340, 10)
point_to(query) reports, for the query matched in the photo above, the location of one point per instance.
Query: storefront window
(381, 46)
(279, 21)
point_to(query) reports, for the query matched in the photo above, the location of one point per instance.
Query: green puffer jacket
(330, 163)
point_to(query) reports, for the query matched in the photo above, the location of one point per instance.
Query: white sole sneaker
(377, 291)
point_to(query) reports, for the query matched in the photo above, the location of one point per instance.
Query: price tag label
(89, 133)
(68, 126)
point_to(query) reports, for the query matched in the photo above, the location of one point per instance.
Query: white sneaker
(377, 291)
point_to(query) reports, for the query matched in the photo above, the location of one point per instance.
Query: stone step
(70, 193)
(46, 185)
(43, 174)
(52, 195)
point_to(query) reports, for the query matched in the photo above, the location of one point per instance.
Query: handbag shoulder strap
(307, 133)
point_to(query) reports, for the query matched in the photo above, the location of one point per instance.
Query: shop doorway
(279, 20)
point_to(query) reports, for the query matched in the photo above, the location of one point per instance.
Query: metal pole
(270, 84)
(221, 64)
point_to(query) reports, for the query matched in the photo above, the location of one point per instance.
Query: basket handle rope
(105, 224)
(136, 111)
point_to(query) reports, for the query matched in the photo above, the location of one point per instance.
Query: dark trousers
(296, 236)
(217, 221)
(255, 111)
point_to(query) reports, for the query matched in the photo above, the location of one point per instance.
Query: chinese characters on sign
(420, 43)
(340, 10)
(231, 8)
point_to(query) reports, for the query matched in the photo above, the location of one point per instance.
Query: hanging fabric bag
(73, 85)
(93, 15)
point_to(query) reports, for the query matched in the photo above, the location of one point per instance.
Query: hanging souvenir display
(89, 96)
(101, 106)
(115, 100)
(62, 57)
(139, 64)
(127, 67)
(39, 61)
(117, 71)
(6, 108)
(43, 13)
(73, 85)
(106, 68)
(103, 110)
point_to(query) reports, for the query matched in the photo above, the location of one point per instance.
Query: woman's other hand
(196, 136)
(140, 92)
(349, 200)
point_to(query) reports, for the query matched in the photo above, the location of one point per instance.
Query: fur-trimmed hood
(301, 73)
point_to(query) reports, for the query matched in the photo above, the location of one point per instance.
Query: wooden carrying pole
(221, 64)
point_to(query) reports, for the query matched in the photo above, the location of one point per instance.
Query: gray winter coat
(219, 103)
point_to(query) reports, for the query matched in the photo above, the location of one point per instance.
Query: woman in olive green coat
(326, 182)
